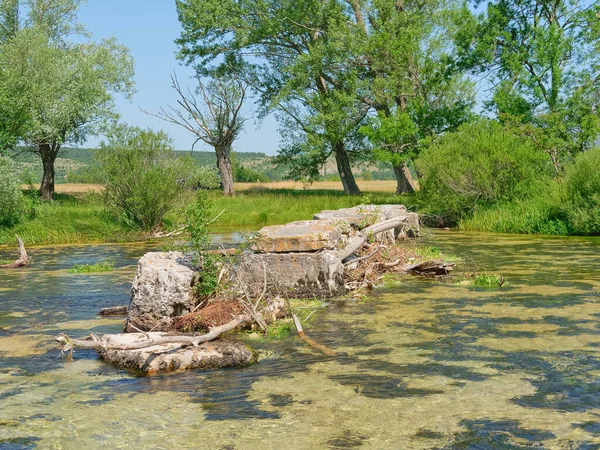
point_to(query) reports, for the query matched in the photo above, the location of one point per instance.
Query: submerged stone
(292, 274)
(302, 236)
(161, 291)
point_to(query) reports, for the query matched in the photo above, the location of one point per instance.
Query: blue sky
(149, 28)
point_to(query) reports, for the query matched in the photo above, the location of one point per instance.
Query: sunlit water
(418, 365)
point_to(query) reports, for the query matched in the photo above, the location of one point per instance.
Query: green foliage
(279, 330)
(243, 174)
(537, 215)
(545, 59)
(488, 281)
(206, 178)
(566, 205)
(142, 176)
(581, 194)
(104, 266)
(478, 166)
(12, 202)
(70, 220)
(54, 91)
(197, 222)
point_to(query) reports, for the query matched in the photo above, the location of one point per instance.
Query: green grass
(104, 266)
(253, 209)
(80, 219)
(534, 216)
(488, 281)
(69, 220)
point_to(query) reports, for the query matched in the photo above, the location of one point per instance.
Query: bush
(478, 166)
(581, 194)
(205, 178)
(242, 174)
(142, 176)
(12, 202)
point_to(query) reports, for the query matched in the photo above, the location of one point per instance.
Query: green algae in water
(422, 365)
(104, 266)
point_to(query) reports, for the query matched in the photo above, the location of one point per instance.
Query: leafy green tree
(293, 54)
(544, 61)
(62, 91)
(416, 89)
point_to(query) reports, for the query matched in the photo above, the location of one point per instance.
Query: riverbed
(417, 365)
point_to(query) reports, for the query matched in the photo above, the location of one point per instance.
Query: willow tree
(406, 51)
(543, 58)
(290, 52)
(63, 89)
(214, 118)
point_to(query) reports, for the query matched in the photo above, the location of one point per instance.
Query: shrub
(205, 178)
(242, 174)
(479, 165)
(142, 176)
(12, 202)
(581, 194)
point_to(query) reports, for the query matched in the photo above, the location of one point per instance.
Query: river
(418, 365)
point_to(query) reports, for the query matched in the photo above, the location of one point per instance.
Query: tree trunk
(48, 152)
(345, 170)
(406, 183)
(225, 169)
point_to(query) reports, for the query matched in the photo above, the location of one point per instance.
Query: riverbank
(79, 216)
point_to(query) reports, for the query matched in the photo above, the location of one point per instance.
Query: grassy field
(78, 216)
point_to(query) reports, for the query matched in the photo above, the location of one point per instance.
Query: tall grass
(253, 209)
(71, 219)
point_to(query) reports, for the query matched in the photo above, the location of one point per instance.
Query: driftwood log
(23, 257)
(146, 340)
(355, 243)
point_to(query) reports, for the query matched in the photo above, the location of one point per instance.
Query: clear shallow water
(419, 365)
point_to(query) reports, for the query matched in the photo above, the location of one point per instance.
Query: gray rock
(161, 290)
(302, 275)
(362, 216)
(302, 236)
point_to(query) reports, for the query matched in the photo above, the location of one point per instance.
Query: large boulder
(161, 291)
(292, 274)
(172, 358)
(302, 236)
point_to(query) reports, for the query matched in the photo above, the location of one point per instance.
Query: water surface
(418, 365)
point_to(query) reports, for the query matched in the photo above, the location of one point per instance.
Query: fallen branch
(114, 311)
(23, 258)
(302, 335)
(357, 242)
(162, 234)
(98, 343)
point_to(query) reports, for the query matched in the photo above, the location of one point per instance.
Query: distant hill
(72, 166)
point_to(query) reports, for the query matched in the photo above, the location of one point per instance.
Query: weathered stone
(291, 274)
(362, 216)
(161, 291)
(169, 358)
(302, 236)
